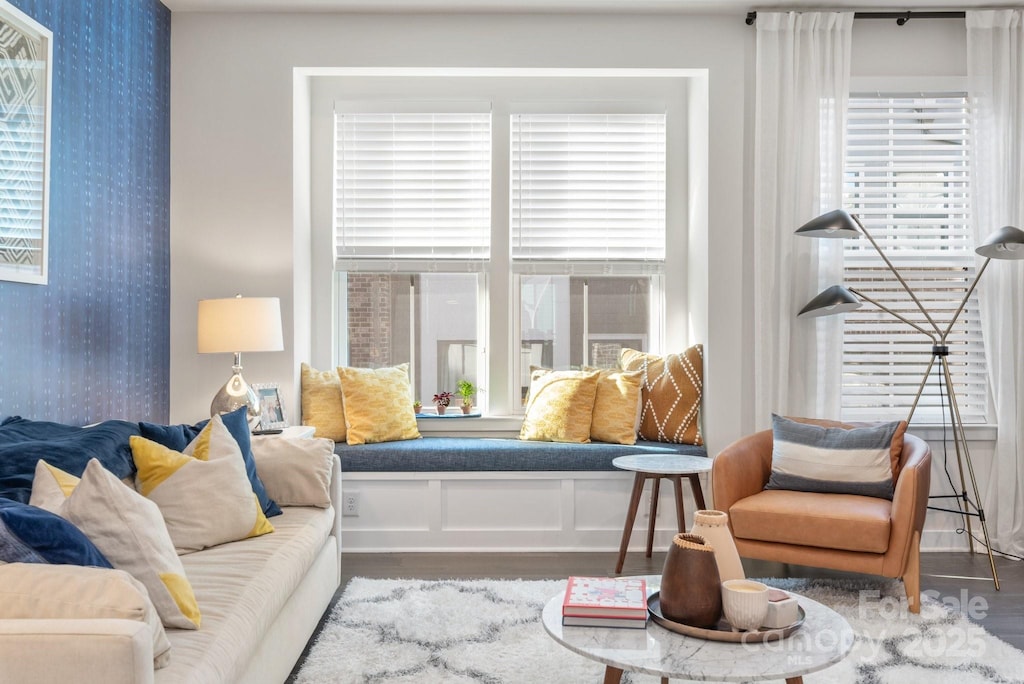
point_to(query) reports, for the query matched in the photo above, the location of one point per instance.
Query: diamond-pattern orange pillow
(671, 392)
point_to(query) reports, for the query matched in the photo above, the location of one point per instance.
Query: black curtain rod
(900, 17)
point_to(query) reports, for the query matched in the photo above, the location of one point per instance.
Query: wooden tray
(722, 631)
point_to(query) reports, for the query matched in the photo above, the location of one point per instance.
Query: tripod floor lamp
(1005, 243)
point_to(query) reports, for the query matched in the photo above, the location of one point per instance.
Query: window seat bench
(470, 494)
(483, 454)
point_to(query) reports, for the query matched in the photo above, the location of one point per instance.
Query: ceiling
(552, 6)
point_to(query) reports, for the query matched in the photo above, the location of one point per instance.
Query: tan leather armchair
(836, 531)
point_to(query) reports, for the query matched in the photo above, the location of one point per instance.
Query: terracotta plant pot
(467, 408)
(440, 409)
(691, 591)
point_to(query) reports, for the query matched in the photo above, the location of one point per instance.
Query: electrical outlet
(350, 505)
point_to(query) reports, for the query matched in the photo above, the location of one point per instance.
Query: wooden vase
(691, 591)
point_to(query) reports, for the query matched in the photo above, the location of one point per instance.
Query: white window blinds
(587, 187)
(411, 188)
(908, 178)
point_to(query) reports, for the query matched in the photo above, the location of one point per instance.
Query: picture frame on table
(272, 415)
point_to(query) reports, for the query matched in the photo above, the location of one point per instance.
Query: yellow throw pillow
(560, 406)
(129, 530)
(322, 407)
(671, 391)
(378, 404)
(205, 500)
(617, 407)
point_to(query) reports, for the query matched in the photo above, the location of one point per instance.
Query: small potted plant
(466, 390)
(417, 406)
(442, 401)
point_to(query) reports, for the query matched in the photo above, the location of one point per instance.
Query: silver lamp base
(235, 394)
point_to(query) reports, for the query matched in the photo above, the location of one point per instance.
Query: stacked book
(605, 602)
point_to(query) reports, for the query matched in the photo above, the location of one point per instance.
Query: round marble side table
(673, 467)
(822, 640)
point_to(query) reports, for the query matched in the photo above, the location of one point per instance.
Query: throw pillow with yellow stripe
(205, 498)
(128, 529)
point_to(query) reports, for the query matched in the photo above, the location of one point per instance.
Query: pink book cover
(606, 597)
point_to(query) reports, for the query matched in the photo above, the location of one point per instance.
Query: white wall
(232, 157)
(233, 168)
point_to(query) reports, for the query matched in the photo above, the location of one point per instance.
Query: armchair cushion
(815, 458)
(831, 521)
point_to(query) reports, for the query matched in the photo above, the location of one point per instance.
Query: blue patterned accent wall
(93, 344)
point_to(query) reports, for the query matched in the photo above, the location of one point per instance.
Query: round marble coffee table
(656, 467)
(823, 640)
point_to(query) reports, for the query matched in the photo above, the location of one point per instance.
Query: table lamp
(235, 325)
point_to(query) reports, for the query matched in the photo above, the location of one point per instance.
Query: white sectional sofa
(261, 599)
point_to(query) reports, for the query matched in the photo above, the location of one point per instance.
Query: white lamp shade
(240, 324)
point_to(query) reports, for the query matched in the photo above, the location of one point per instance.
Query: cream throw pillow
(616, 407)
(378, 404)
(671, 392)
(205, 498)
(127, 528)
(321, 403)
(560, 406)
(60, 592)
(296, 472)
(51, 486)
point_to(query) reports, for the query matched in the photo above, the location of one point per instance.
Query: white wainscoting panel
(501, 511)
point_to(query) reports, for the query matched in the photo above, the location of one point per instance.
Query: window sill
(933, 432)
(471, 426)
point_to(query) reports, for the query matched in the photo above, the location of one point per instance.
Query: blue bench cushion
(448, 454)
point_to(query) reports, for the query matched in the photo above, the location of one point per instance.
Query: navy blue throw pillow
(177, 437)
(23, 442)
(32, 535)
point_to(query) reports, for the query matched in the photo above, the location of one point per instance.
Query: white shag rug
(490, 632)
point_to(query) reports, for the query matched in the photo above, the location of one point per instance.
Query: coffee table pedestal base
(613, 675)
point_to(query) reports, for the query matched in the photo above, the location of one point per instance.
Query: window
(908, 179)
(588, 195)
(412, 207)
(483, 224)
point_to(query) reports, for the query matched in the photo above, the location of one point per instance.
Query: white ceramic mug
(745, 603)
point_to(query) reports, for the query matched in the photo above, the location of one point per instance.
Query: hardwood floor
(947, 574)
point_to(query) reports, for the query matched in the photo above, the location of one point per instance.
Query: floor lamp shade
(236, 325)
(1005, 243)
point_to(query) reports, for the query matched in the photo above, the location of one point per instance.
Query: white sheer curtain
(802, 88)
(995, 68)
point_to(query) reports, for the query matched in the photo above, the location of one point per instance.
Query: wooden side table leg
(677, 490)
(634, 503)
(698, 493)
(789, 680)
(612, 675)
(655, 489)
